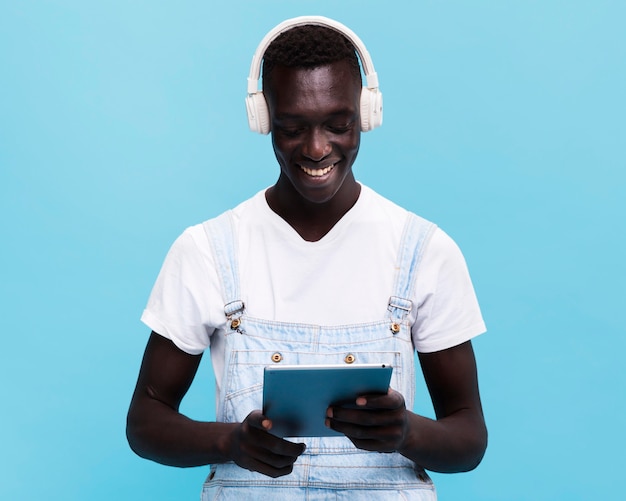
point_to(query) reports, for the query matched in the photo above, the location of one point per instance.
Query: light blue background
(121, 123)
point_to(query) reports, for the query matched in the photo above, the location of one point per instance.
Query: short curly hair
(309, 46)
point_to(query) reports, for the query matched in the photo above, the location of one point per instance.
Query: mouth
(317, 172)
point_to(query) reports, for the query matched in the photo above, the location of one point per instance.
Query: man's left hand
(379, 423)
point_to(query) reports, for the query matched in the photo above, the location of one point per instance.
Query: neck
(312, 220)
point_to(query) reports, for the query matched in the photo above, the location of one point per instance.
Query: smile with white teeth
(317, 172)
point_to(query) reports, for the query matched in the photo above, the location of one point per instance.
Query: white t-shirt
(344, 278)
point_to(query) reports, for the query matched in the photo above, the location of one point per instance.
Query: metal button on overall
(333, 461)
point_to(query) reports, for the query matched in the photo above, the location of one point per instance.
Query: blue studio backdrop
(121, 123)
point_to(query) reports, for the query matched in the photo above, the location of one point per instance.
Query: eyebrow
(295, 116)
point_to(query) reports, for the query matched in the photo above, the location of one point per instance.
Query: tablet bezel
(295, 397)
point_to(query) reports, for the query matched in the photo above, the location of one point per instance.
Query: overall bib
(331, 467)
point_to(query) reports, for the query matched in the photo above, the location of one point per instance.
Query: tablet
(295, 397)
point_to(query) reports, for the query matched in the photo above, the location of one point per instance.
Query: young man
(316, 269)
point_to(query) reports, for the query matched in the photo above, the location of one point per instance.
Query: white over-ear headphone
(371, 97)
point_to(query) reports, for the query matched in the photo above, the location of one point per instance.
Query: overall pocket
(243, 388)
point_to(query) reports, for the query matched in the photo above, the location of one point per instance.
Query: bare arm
(455, 441)
(157, 431)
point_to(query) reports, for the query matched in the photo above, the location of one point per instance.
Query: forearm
(452, 444)
(158, 432)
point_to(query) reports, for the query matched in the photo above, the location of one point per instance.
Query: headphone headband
(371, 77)
(371, 101)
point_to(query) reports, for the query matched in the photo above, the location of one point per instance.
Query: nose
(316, 146)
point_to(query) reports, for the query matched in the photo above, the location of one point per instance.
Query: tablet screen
(295, 397)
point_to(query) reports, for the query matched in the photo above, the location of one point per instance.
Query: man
(317, 268)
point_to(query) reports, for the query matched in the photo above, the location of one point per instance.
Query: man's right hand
(158, 431)
(254, 448)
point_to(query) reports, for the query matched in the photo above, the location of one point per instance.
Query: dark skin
(315, 127)
(157, 431)
(316, 135)
(455, 441)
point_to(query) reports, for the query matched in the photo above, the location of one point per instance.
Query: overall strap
(415, 236)
(221, 236)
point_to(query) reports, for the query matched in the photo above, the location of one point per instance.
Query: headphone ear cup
(371, 109)
(258, 113)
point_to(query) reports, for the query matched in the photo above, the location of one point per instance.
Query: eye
(290, 131)
(341, 128)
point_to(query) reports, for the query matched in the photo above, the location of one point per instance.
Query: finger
(382, 439)
(391, 400)
(373, 445)
(392, 432)
(367, 417)
(255, 441)
(267, 454)
(261, 445)
(253, 464)
(286, 448)
(274, 460)
(256, 419)
(276, 444)
(262, 441)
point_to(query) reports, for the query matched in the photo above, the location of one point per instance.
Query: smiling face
(316, 132)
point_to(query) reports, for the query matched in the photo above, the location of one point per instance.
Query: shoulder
(379, 212)
(448, 311)
(195, 238)
(375, 202)
(443, 262)
(442, 246)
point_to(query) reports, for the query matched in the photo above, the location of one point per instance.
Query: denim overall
(331, 467)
